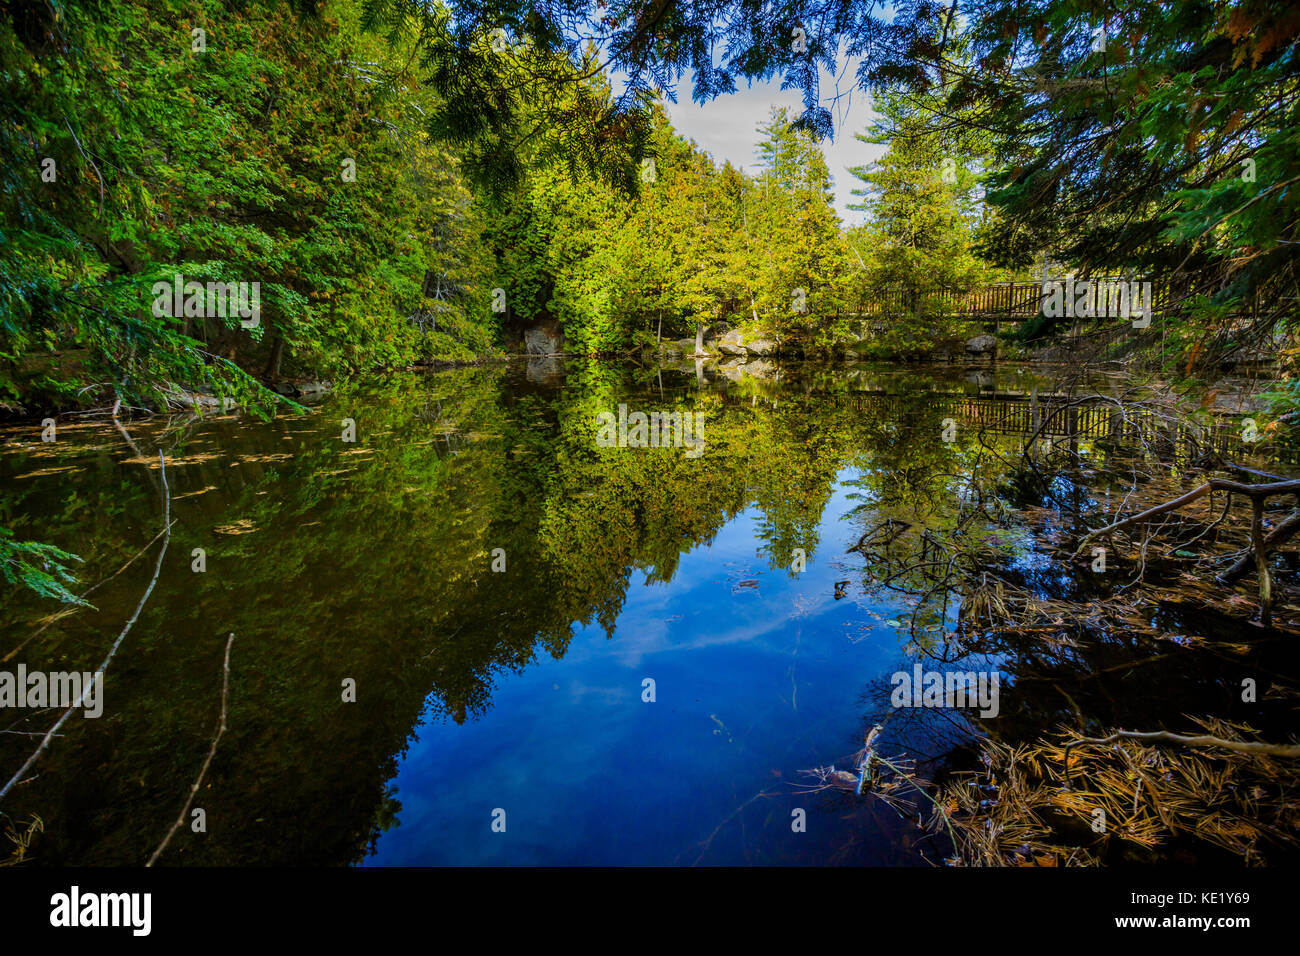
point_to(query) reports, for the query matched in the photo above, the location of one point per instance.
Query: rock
(544, 338)
(729, 343)
(843, 779)
(313, 391)
(199, 401)
(735, 369)
(732, 342)
(981, 344)
(302, 391)
(731, 371)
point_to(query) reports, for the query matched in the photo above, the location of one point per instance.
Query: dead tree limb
(1279, 536)
(1261, 562)
(1289, 487)
(212, 752)
(1197, 740)
(1201, 740)
(1259, 545)
(53, 731)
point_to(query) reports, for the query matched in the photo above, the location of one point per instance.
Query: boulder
(735, 369)
(313, 391)
(731, 369)
(307, 392)
(729, 343)
(981, 344)
(761, 346)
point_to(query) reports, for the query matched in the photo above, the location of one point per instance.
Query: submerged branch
(53, 731)
(212, 752)
(1254, 492)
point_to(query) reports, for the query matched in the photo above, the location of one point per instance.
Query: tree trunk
(273, 362)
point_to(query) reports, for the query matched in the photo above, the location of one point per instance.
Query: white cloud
(726, 127)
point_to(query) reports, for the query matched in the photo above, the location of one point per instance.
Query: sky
(727, 128)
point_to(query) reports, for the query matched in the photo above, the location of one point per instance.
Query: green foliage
(1156, 138)
(922, 195)
(229, 163)
(40, 567)
(1169, 149)
(694, 246)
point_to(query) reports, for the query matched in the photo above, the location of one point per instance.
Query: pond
(475, 634)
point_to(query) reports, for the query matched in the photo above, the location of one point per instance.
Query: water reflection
(479, 690)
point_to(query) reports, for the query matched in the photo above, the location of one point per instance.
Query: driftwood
(1259, 544)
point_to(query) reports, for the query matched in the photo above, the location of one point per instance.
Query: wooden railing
(1002, 302)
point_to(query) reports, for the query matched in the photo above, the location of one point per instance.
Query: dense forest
(293, 148)
(415, 183)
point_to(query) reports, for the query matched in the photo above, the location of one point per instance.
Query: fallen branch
(1254, 492)
(212, 752)
(53, 731)
(1261, 562)
(65, 612)
(891, 523)
(1259, 545)
(1279, 536)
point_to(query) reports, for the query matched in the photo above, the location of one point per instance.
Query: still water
(642, 679)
